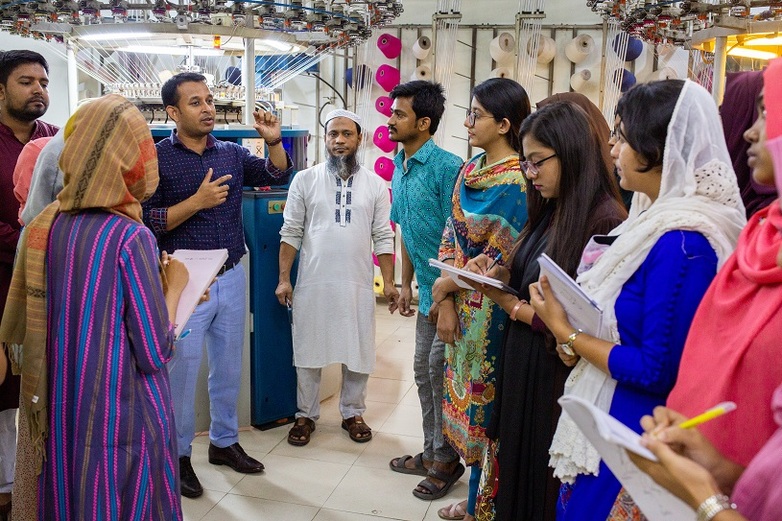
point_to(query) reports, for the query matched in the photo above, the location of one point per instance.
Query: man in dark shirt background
(24, 97)
(198, 206)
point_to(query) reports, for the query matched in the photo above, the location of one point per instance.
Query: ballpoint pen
(496, 260)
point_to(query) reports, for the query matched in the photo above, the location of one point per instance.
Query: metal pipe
(249, 74)
(73, 77)
(720, 60)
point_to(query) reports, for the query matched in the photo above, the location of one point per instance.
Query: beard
(25, 113)
(343, 166)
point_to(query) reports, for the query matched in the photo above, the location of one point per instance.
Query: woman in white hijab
(648, 276)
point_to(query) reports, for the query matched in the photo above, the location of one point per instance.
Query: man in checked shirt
(198, 206)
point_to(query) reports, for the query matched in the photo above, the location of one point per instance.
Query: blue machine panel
(272, 375)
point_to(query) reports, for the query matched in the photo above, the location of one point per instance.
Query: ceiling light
(171, 51)
(755, 54)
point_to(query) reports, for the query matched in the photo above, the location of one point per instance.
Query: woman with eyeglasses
(489, 211)
(648, 276)
(733, 349)
(571, 196)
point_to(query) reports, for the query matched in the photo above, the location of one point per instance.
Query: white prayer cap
(341, 113)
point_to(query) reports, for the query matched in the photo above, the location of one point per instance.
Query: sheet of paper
(202, 266)
(454, 273)
(583, 312)
(610, 437)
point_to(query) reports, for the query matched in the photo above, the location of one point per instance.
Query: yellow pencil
(714, 412)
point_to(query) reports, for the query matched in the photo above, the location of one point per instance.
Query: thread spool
(546, 50)
(579, 48)
(625, 79)
(634, 48)
(377, 282)
(381, 140)
(389, 45)
(667, 73)
(383, 105)
(360, 76)
(579, 81)
(384, 167)
(387, 77)
(422, 72)
(422, 47)
(502, 72)
(503, 48)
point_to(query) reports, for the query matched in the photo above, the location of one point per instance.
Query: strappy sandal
(400, 464)
(301, 431)
(357, 429)
(454, 511)
(438, 491)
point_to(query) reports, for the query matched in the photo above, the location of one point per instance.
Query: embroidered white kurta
(334, 224)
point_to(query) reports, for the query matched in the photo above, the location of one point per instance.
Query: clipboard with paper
(582, 311)
(202, 267)
(612, 439)
(455, 273)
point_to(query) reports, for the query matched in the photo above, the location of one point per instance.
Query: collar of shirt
(41, 129)
(421, 156)
(210, 141)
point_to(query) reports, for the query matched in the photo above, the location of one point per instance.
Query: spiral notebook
(202, 266)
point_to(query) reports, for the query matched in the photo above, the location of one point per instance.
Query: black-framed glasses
(472, 116)
(533, 167)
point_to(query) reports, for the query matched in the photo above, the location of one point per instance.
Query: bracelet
(714, 505)
(567, 347)
(516, 308)
(273, 142)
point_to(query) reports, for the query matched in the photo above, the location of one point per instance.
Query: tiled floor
(332, 478)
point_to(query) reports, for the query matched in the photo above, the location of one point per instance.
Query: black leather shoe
(235, 457)
(188, 481)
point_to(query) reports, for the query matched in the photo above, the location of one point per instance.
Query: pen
(714, 412)
(496, 260)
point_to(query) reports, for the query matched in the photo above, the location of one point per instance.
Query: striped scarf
(110, 164)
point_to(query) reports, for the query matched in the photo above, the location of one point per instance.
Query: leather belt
(227, 266)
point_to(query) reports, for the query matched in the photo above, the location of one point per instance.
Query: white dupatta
(698, 193)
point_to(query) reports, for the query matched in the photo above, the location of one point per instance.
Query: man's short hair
(10, 60)
(170, 90)
(428, 100)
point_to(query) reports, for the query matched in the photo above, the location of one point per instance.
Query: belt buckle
(225, 267)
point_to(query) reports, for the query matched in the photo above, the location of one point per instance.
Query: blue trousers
(220, 323)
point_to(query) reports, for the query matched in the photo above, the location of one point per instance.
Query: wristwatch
(714, 505)
(567, 347)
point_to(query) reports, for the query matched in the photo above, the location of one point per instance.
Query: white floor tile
(196, 509)
(293, 480)
(388, 494)
(394, 368)
(236, 508)
(405, 420)
(389, 391)
(384, 447)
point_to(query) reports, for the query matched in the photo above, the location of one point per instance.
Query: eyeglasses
(533, 167)
(472, 116)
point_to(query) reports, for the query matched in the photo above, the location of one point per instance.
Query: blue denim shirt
(421, 204)
(181, 173)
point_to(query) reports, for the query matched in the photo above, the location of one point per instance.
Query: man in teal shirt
(422, 188)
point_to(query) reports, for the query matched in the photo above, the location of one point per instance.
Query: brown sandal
(357, 429)
(299, 434)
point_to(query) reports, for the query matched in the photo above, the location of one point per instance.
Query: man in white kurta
(334, 214)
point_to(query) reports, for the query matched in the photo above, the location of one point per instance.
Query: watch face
(567, 349)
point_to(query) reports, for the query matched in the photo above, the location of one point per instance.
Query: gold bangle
(516, 308)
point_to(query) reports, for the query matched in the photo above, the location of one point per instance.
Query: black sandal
(299, 434)
(400, 464)
(438, 491)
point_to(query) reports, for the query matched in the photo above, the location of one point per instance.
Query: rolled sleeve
(382, 233)
(292, 231)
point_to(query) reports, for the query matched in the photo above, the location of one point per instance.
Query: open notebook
(612, 439)
(582, 311)
(455, 273)
(202, 266)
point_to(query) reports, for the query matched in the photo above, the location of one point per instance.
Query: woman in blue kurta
(648, 275)
(95, 328)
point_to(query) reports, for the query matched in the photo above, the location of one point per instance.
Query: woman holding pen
(571, 196)
(489, 211)
(648, 276)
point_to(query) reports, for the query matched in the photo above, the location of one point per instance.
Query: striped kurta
(111, 448)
